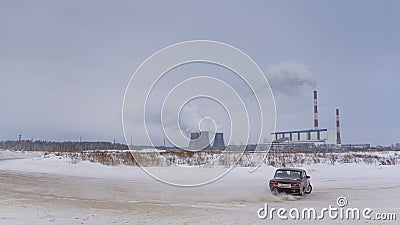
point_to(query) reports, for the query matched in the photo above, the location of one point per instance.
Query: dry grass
(227, 159)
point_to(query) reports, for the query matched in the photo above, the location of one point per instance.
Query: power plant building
(314, 136)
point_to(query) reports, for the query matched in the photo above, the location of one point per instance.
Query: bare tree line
(39, 145)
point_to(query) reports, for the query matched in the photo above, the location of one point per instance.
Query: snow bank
(8, 154)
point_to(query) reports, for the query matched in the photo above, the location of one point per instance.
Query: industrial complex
(201, 141)
(300, 139)
(315, 136)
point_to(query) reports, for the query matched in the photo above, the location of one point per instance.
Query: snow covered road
(38, 190)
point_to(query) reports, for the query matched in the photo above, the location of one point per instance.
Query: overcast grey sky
(64, 65)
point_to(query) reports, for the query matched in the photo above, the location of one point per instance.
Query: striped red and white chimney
(315, 110)
(338, 139)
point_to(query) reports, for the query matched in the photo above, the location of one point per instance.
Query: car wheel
(309, 189)
(275, 191)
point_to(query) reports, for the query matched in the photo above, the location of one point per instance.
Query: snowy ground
(52, 190)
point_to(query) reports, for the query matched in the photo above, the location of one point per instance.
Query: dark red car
(291, 181)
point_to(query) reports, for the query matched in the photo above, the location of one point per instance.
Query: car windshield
(287, 174)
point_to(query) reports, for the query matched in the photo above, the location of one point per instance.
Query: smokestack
(338, 139)
(315, 110)
(219, 143)
(199, 141)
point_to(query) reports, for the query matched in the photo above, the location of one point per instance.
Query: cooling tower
(194, 136)
(219, 143)
(199, 141)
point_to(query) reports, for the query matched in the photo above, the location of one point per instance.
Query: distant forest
(40, 145)
(30, 145)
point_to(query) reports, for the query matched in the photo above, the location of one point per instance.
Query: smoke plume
(290, 77)
(194, 113)
(190, 117)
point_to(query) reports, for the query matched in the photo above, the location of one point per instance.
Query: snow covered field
(54, 190)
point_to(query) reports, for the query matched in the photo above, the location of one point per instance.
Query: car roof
(292, 169)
